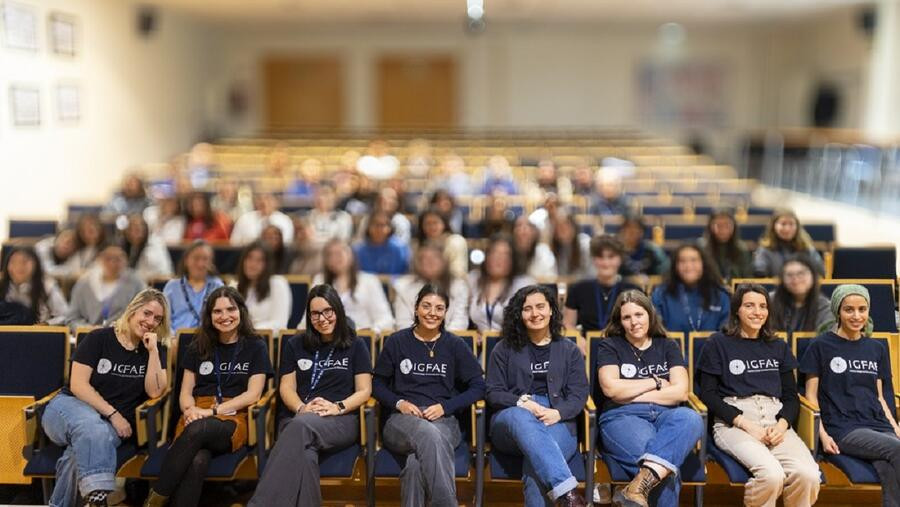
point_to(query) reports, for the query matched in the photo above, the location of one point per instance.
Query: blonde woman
(114, 370)
(784, 238)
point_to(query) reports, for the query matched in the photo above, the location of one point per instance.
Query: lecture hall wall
(142, 101)
(147, 99)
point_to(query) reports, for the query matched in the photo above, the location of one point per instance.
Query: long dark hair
(733, 326)
(574, 245)
(445, 278)
(208, 217)
(196, 245)
(710, 281)
(38, 294)
(329, 276)
(514, 331)
(372, 216)
(84, 219)
(614, 326)
(784, 299)
(420, 232)
(732, 247)
(427, 290)
(135, 250)
(208, 336)
(515, 268)
(532, 250)
(262, 283)
(343, 335)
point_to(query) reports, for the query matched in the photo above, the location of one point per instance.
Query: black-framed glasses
(326, 314)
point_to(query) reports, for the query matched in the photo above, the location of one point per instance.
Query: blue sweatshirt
(684, 311)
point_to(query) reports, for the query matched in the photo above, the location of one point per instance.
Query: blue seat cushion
(692, 470)
(339, 463)
(509, 466)
(43, 461)
(389, 464)
(859, 471)
(736, 471)
(221, 466)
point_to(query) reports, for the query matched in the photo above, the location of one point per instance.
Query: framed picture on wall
(19, 26)
(25, 105)
(63, 34)
(68, 102)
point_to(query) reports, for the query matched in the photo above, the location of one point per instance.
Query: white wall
(142, 101)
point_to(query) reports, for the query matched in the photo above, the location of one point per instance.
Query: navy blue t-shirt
(594, 302)
(540, 365)
(118, 374)
(847, 371)
(334, 367)
(417, 377)
(237, 362)
(746, 366)
(662, 355)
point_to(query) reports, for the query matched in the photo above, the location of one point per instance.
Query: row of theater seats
(36, 366)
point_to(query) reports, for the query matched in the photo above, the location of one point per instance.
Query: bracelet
(106, 417)
(397, 405)
(215, 411)
(523, 399)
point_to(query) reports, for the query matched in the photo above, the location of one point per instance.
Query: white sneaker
(603, 494)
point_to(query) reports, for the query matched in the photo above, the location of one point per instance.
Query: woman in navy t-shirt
(426, 375)
(747, 382)
(225, 371)
(114, 370)
(693, 298)
(537, 386)
(849, 378)
(326, 375)
(643, 378)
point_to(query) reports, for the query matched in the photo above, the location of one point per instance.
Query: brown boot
(571, 499)
(154, 499)
(636, 493)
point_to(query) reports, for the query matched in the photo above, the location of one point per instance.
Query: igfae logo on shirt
(423, 369)
(206, 367)
(540, 367)
(105, 366)
(628, 370)
(326, 364)
(840, 365)
(739, 367)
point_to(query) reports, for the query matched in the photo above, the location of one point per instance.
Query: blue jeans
(646, 431)
(545, 468)
(90, 456)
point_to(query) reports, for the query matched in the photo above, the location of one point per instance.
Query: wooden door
(417, 91)
(303, 91)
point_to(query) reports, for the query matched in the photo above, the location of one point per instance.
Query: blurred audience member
(101, 295)
(693, 297)
(453, 178)
(380, 251)
(28, 297)
(445, 203)
(165, 219)
(89, 235)
(201, 166)
(249, 227)
(267, 294)
(310, 176)
(783, 238)
(571, 248)
(797, 302)
(498, 218)
(378, 163)
(306, 253)
(273, 240)
(583, 179)
(196, 279)
(232, 199)
(494, 283)
(535, 255)
(642, 256)
(609, 197)
(498, 177)
(430, 266)
(433, 229)
(328, 222)
(55, 253)
(722, 243)
(147, 255)
(201, 222)
(132, 198)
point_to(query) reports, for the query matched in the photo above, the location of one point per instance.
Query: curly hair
(207, 335)
(514, 331)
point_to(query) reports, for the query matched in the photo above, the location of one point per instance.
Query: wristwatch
(341, 406)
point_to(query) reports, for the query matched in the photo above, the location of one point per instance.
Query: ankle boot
(154, 499)
(637, 492)
(571, 499)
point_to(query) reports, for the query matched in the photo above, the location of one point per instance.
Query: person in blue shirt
(380, 252)
(196, 280)
(849, 378)
(537, 386)
(692, 298)
(326, 375)
(423, 377)
(643, 379)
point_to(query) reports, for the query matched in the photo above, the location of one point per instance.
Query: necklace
(425, 342)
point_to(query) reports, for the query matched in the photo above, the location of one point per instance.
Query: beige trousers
(788, 467)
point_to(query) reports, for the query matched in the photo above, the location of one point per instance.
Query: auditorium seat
(19, 228)
(865, 262)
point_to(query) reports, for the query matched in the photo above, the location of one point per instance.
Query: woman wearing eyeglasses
(326, 375)
(426, 375)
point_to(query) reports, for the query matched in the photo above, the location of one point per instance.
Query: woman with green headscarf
(849, 378)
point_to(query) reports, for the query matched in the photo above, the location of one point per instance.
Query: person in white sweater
(249, 227)
(494, 283)
(430, 266)
(268, 296)
(361, 293)
(147, 255)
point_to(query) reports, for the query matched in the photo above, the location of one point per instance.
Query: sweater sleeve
(498, 393)
(709, 395)
(790, 403)
(468, 372)
(384, 370)
(577, 387)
